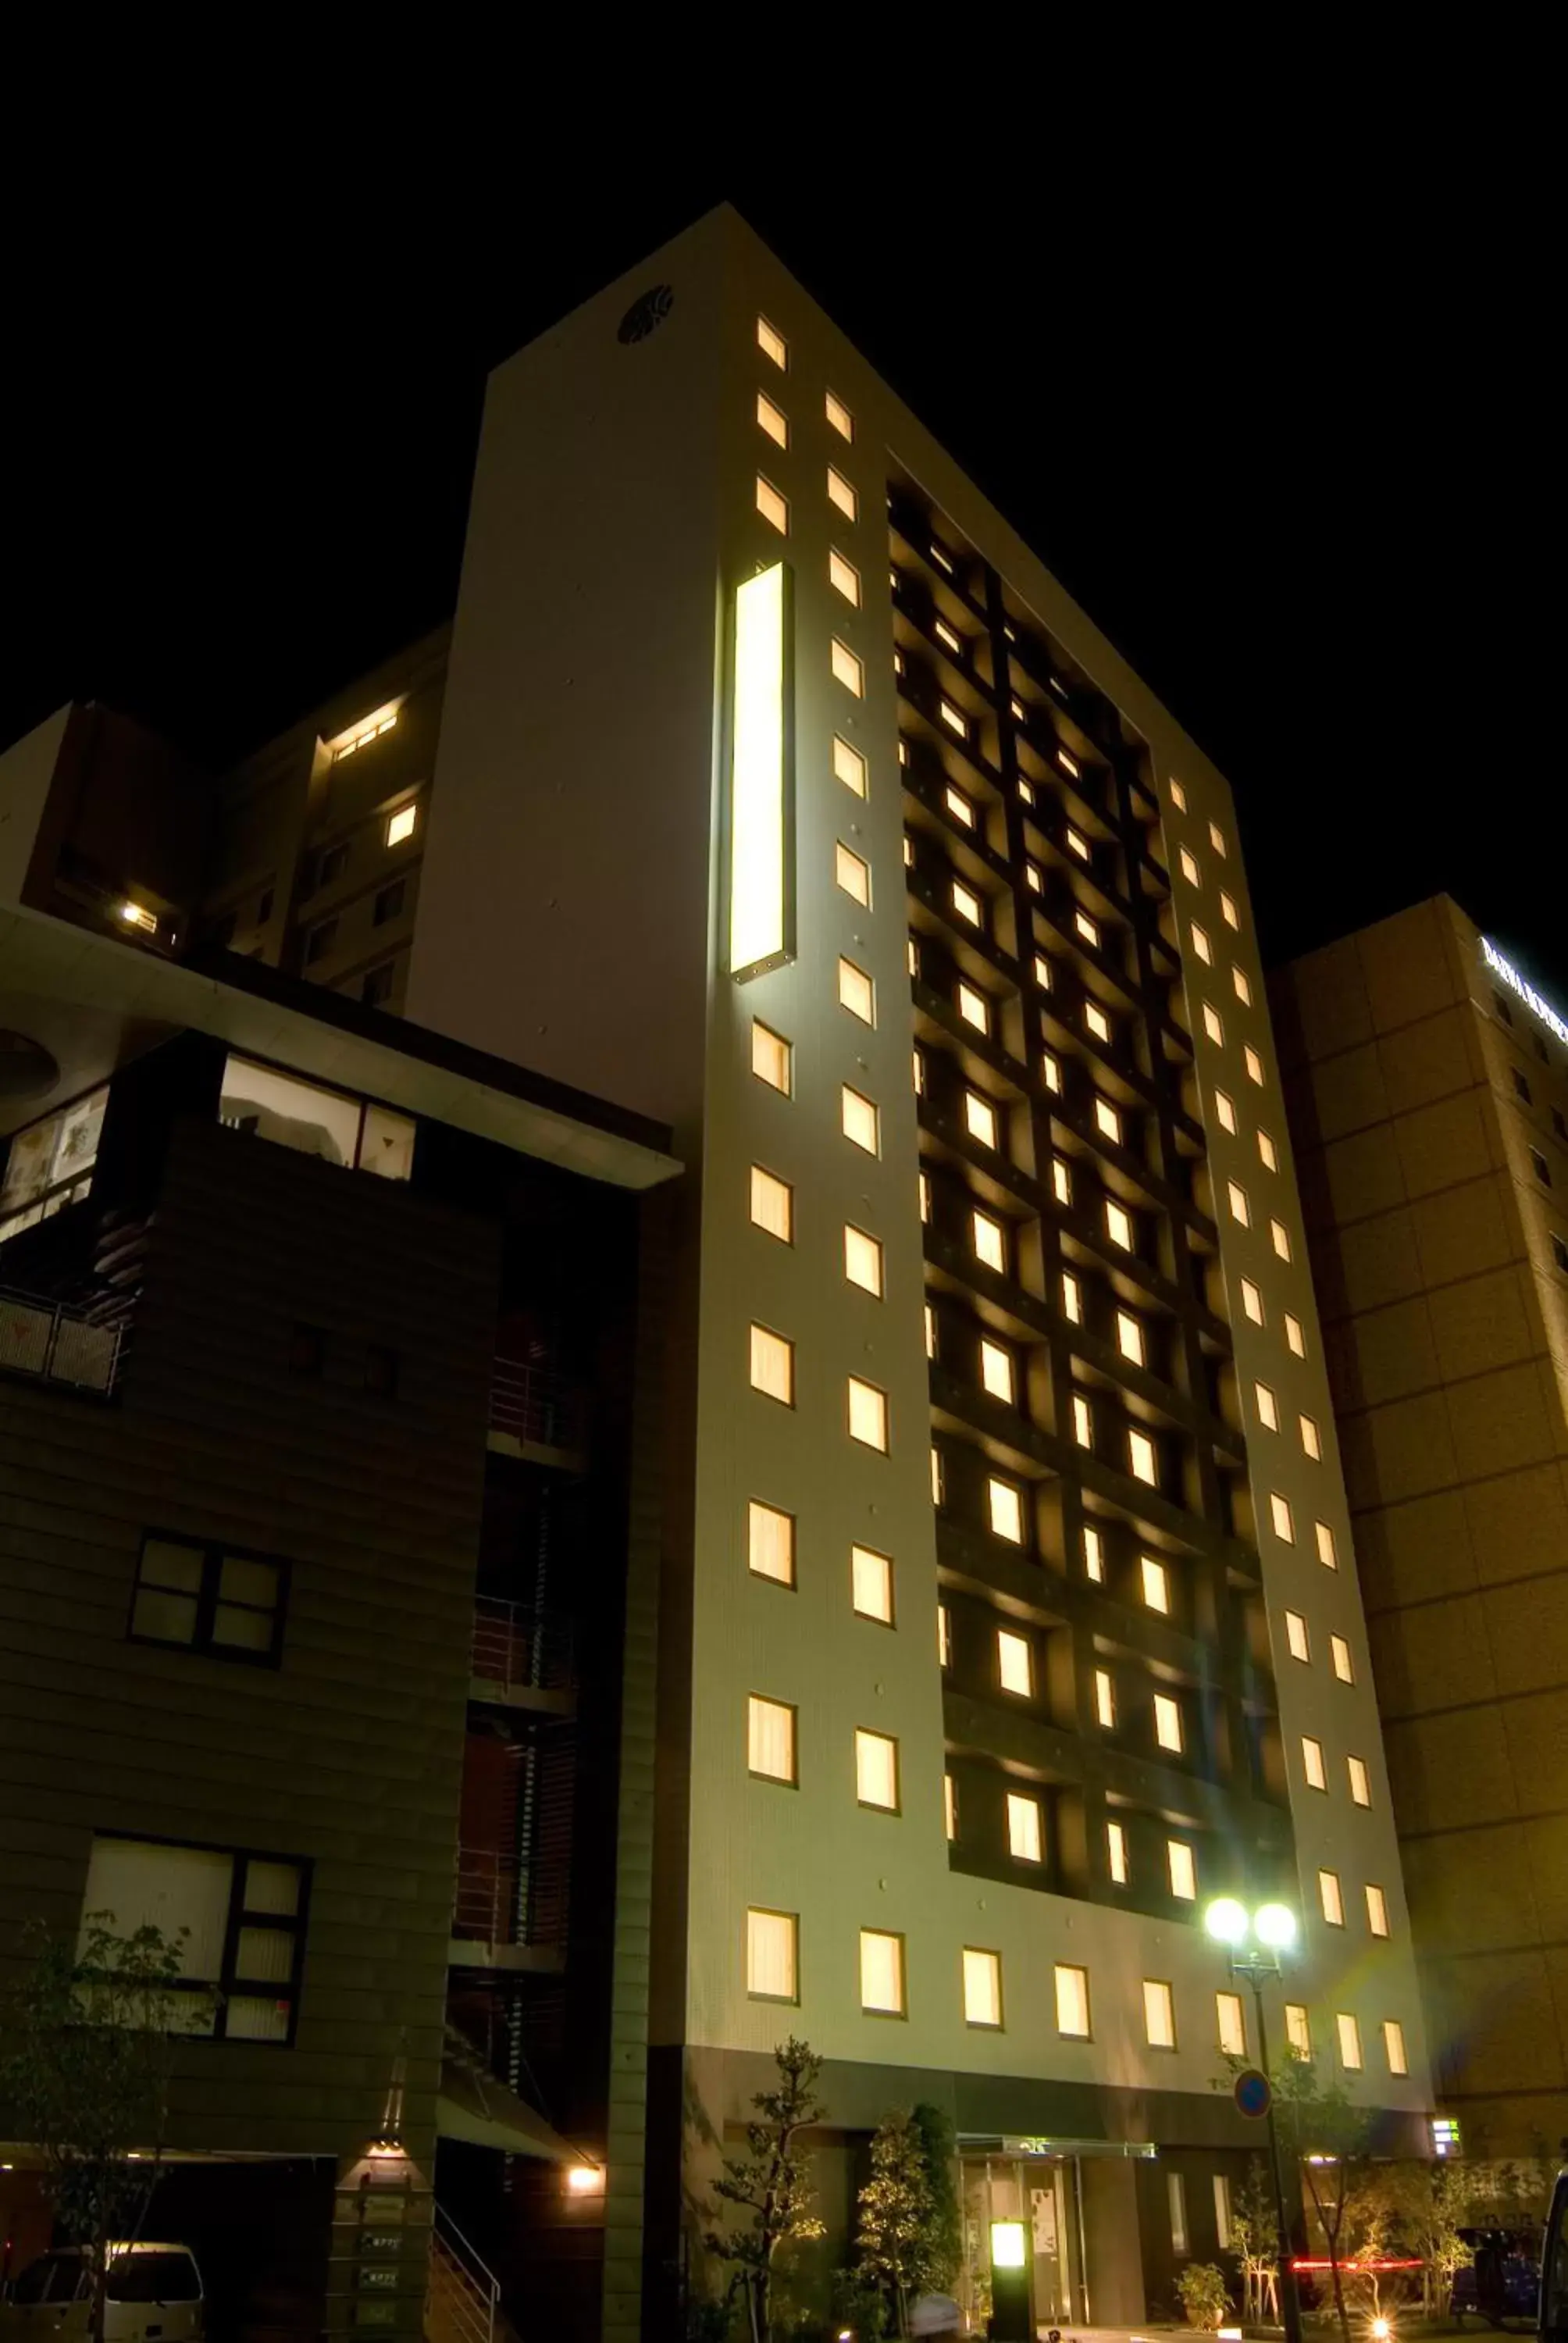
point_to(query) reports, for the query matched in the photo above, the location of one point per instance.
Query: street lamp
(1255, 1943)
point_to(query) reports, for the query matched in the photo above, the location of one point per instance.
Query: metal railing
(463, 2295)
(535, 1403)
(514, 1647)
(59, 1345)
(484, 1899)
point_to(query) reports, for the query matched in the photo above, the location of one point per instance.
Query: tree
(1328, 2135)
(896, 2211)
(1429, 2203)
(944, 2236)
(1255, 2233)
(1201, 2286)
(771, 2181)
(87, 2075)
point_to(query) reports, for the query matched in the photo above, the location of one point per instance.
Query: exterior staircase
(462, 2304)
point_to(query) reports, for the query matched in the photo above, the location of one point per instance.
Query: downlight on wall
(761, 778)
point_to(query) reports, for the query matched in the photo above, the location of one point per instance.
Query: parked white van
(154, 2296)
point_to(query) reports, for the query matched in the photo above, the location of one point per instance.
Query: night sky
(1276, 444)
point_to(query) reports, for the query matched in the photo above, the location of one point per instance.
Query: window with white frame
(1158, 2014)
(871, 1584)
(1025, 1833)
(236, 1919)
(982, 1987)
(1014, 1663)
(773, 1964)
(770, 1739)
(771, 1542)
(882, 1973)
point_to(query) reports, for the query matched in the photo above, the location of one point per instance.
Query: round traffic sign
(1252, 2092)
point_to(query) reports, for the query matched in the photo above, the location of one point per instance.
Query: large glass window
(239, 1921)
(204, 1598)
(315, 1122)
(50, 1164)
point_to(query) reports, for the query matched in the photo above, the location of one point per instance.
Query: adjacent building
(1007, 1607)
(1427, 1082)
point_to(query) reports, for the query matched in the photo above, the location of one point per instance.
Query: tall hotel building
(767, 787)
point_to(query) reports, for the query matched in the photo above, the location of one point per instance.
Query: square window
(1280, 1515)
(989, 1239)
(1233, 2028)
(1158, 2016)
(389, 904)
(868, 1414)
(1005, 1504)
(1067, 762)
(1298, 2030)
(1144, 1458)
(770, 1058)
(1216, 838)
(881, 1973)
(1130, 1337)
(972, 1008)
(1042, 971)
(1295, 1336)
(1350, 2041)
(1240, 986)
(862, 1260)
(954, 718)
(206, 1599)
(1086, 928)
(1189, 868)
(1296, 1636)
(1076, 843)
(844, 578)
(771, 1542)
(1156, 1582)
(859, 1117)
(1268, 1413)
(1267, 1154)
(853, 874)
(401, 824)
(877, 1770)
(1050, 1071)
(773, 507)
(996, 1370)
(856, 993)
(1183, 1870)
(1539, 1165)
(773, 1205)
(1118, 1225)
(966, 903)
(1311, 1439)
(871, 1584)
(771, 1964)
(1252, 1302)
(1330, 1898)
(950, 1806)
(772, 343)
(841, 496)
(1105, 1699)
(1200, 944)
(1178, 797)
(1061, 1180)
(1340, 1652)
(1082, 1422)
(1327, 1554)
(982, 1987)
(1360, 1781)
(1093, 1555)
(1072, 2002)
(770, 1739)
(1313, 1763)
(1237, 1197)
(1228, 910)
(1014, 1663)
(1393, 2046)
(958, 806)
(1025, 1834)
(1377, 1910)
(847, 669)
(1254, 1064)
(1096, 1019)
(947, 637)
(839, 416)
(773, 420)
(1212, 1023)
(1116, 1855)
(848, 767)
(980, 1118)
(773, 1365)
(1279, 1237)
(1071, 1299)
(1108, 1123)
(1167, 1722)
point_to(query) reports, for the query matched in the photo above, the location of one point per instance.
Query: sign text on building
(1527, 993)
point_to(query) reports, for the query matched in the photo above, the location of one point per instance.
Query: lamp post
(1254, 1943)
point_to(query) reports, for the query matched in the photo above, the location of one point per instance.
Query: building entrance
(1038, 2195)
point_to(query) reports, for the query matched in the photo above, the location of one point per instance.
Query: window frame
(214, 1553)
(230, 1985)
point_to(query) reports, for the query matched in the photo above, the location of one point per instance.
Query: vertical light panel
(761, 786)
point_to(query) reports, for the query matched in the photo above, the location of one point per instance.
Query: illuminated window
(980, 1118)
(862, 1260)
(1183, 1870)
(839, 417)
(773, 420)
(1377, 1910)
(1327, 1553)
(1178, 797)
(911, 956)
(1254, 1064)
(1106, 1120)
(1311, 1439)
(1014, 1663)
(1159, 2016)
(1118, 1225)
(1225, 1110)
(1280, 1514)
(982, 1987)
(843, 494)
(1296, 1636)
(1200, 944)
(1167, 1722)
(771, 1542)
(996, 1370)
(1116, 1854)
(1232, 2023)
(950, 1806)
(1042, 971)
(770, 1057)
(1350, 2040)
(1105, 1699)
(1156, 1582)
(1072, 2002)
(1096, 1019)
(773, 1205)
(1004, 1503)
(1280, 1238)
(1071, 1298)
(1025, 1836)
(1237, 1199)
(1025, 791)
(849, 766)
(871, 1582)
(1082, 1422)
(1176, 2201)
(1298, 2031)
(773, 1365)
(1268, 1413)
(772, 505)
(856, 993)
(1329, 1898)
(770, 1955)
(859, 1119)
(852, 875)
(847, 669)
(1361, 1781)
(1227, 905)
(954, 718)
(903, 751)
(1060, 1181)
(1216, 838)
(966, 903)
(1190, 870)
(944, 560)
(918, 1071)
(1130, 1337)
(958, 806)
(1212, 1024)
(1094, 1556)
(1252, 1302)
(868, 1414)
(1077, 844)
(881, 1973)
(1393, 2046)
(937, 1475)
(1050, 1070)
(1141, 1455)
(1034, 877)
(989, 1239)
(931, 1331)
(771, 341)
(1340, 1652)
(973, 1008)
(925, 1196)
(1267, 1154)
(946, 637)
(1086, 928)
(770, 1739)
(1295, 1336)
(1313, 1763)
(844, 578)
(1240, 986)
(400, 825)
(877, 1770)
(944, 1636)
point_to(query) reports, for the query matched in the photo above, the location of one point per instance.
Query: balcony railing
(516, 1650)
(497, 1900)
(58, 1345)
(535, 1404)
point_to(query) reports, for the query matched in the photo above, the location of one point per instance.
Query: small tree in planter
(1201, 2286)
(771, 2182)
(896, 2213)
(1255, 2231)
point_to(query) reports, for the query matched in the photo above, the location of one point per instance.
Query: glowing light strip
(1527, 993)
(759, 790)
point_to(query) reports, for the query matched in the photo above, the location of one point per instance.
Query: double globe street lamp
(1256, 1943)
